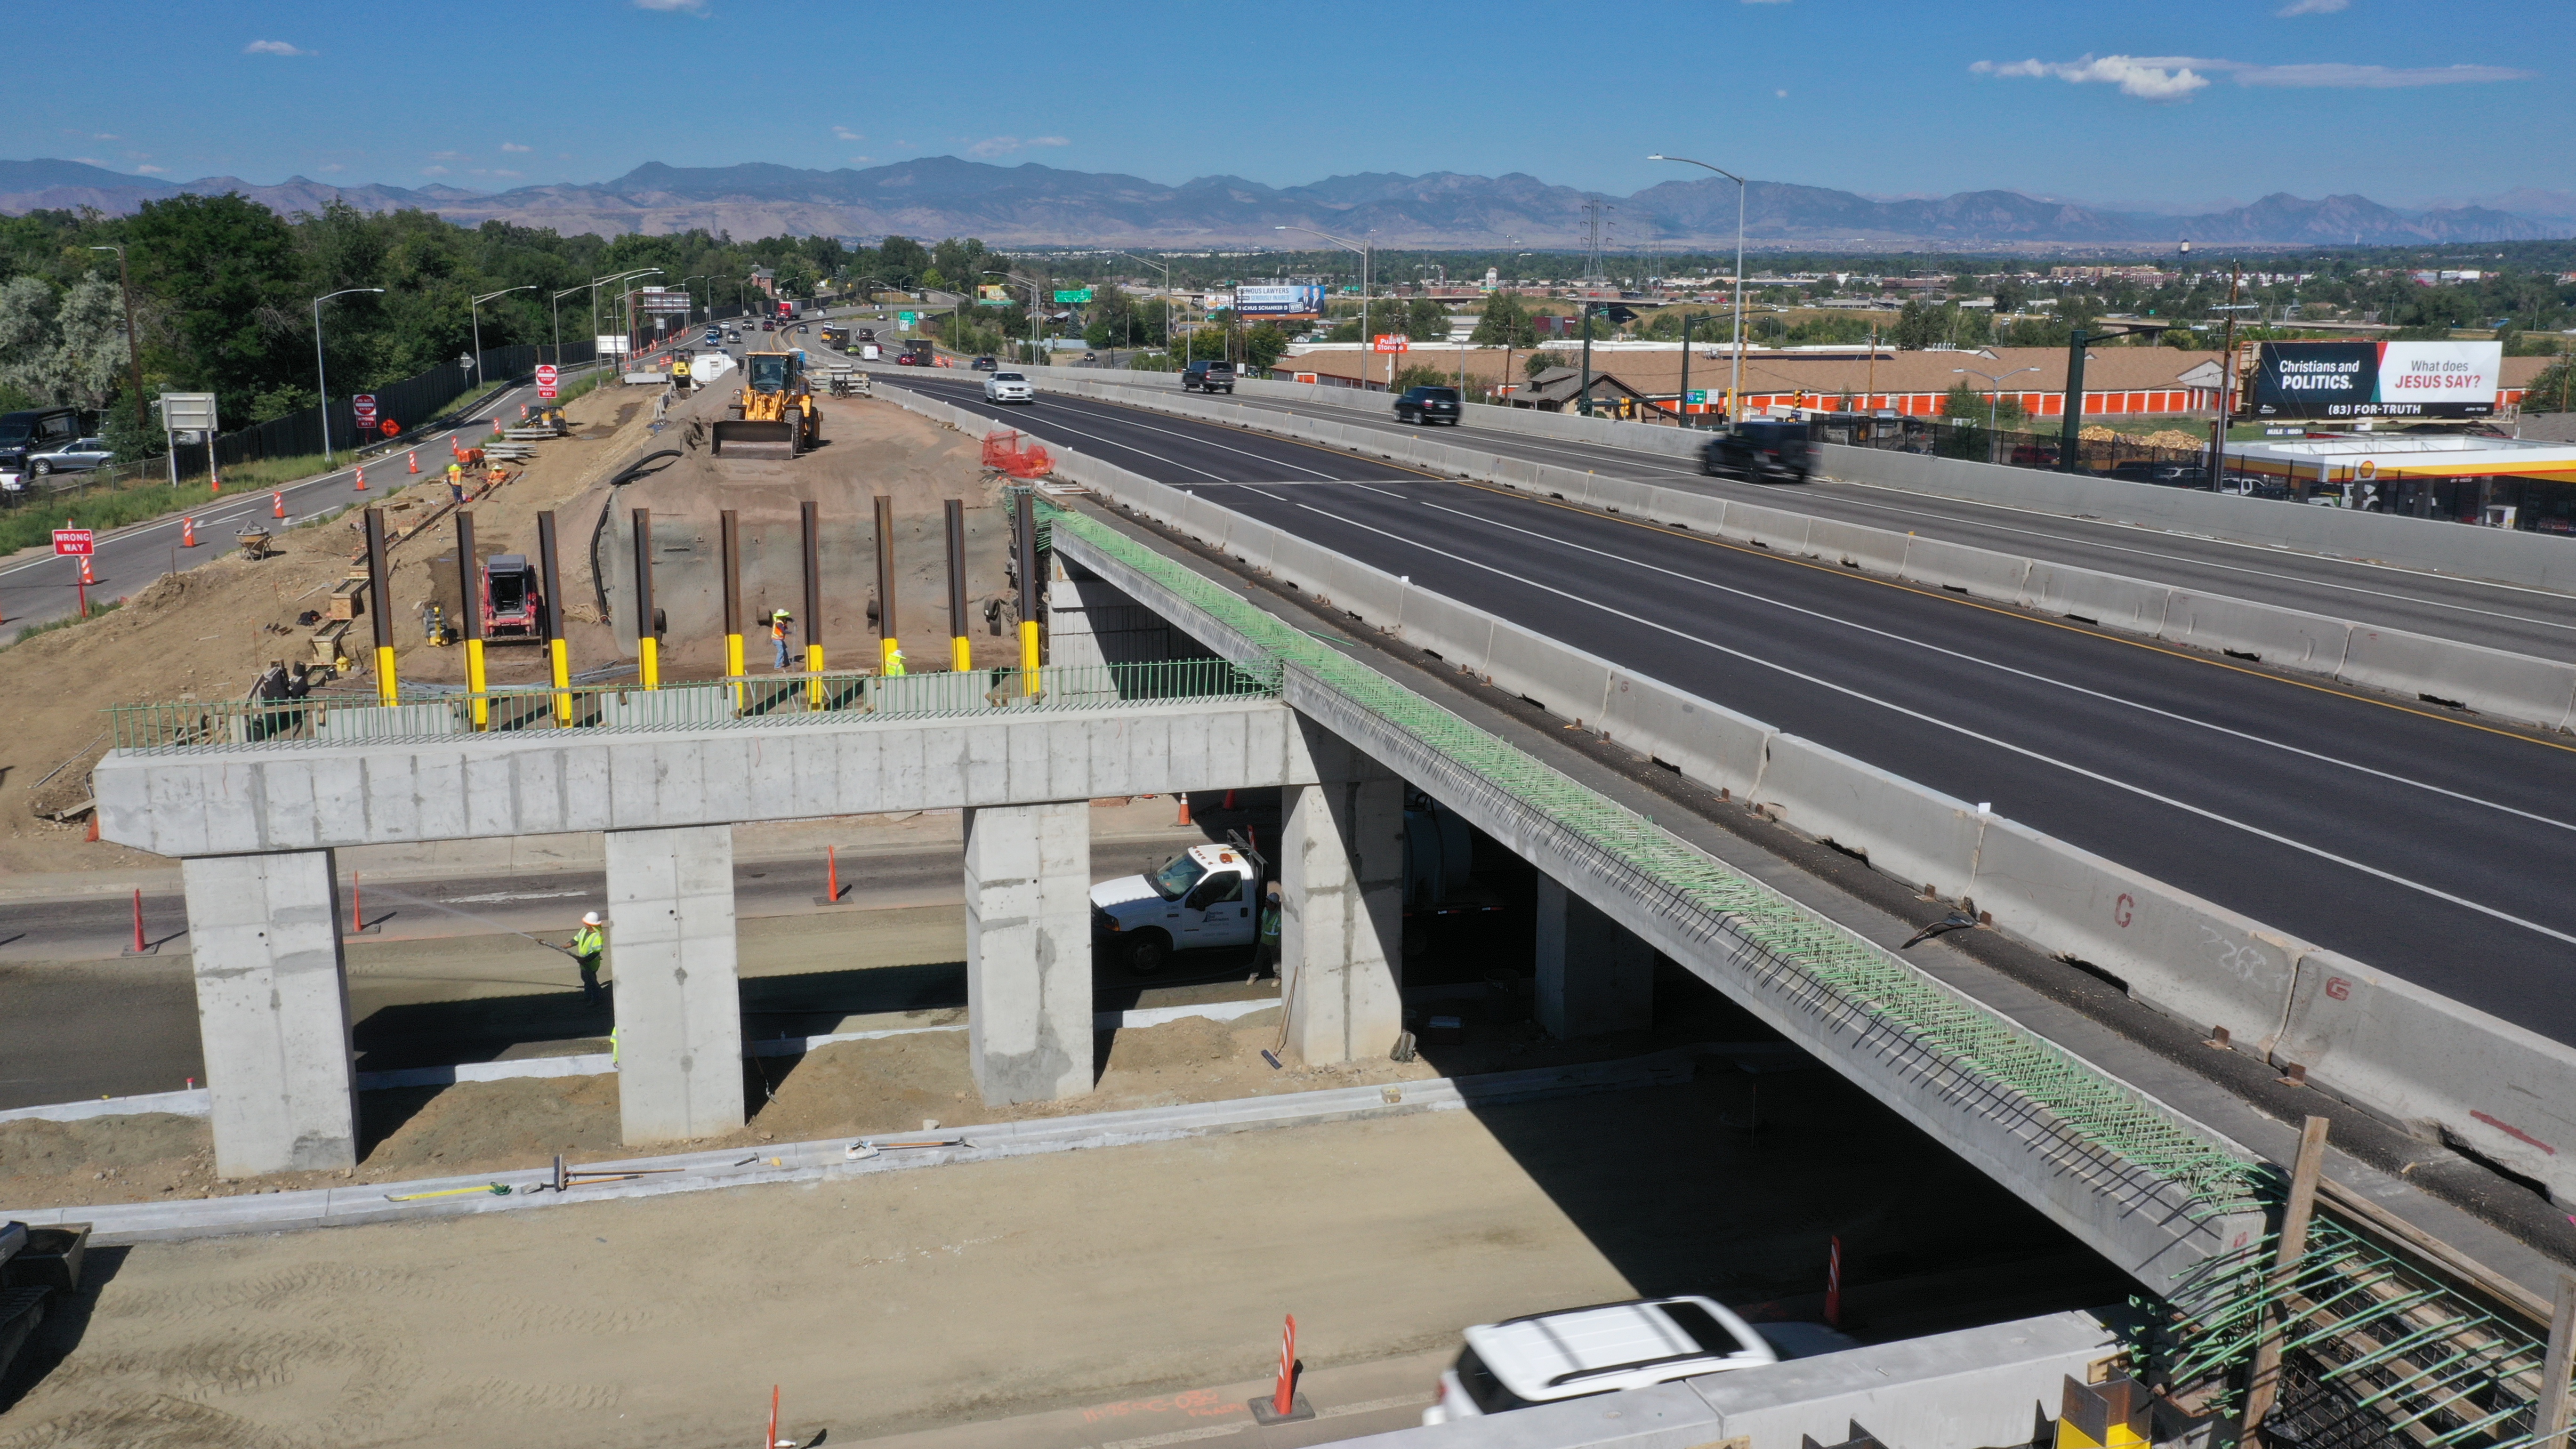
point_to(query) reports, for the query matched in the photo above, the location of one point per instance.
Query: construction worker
(1265, 954)
(456, 482)
(894, 663)
(586, 948)
(778, 635)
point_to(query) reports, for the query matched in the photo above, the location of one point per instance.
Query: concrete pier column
(273, 1011)
(1594, 975)
(1028, 951)
(672, 968)
(1340, 860)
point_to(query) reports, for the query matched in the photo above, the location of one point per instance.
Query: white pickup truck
(1209, 895)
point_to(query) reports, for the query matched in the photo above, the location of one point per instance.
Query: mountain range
(1034, 205)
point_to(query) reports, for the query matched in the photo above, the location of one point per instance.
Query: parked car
(1760, 450)
(1206, 376)
(77, 456)
(1428, 405)
(983, 364)
(1577, 1352)
(34, 431)
(1009, 387)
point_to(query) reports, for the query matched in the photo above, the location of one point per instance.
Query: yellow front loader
(778, 419)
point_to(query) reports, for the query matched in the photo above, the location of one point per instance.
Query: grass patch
(31, 524)
(96, 608)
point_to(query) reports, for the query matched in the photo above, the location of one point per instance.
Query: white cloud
(152, 170)
(863, 160)
(846, 134)
(2154, 78)
(2312, 7)
(272, 47)
(693, 7)
(515, 146)
(334, 168)
(1784, 95)
(2374, 77)
(433, 171)
(2172, 77)
(89, 161)
(992, 146)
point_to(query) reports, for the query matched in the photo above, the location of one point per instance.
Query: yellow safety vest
(894, 664)
(587, 943)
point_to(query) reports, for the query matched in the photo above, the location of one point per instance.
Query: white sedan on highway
(1009, 387)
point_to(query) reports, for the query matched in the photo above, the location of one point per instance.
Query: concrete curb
(820, 1161)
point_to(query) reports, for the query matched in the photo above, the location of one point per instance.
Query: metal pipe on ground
(647, 648)
(380, 607)
(889, 640)
(558, 657)
(730, 526)
(469, 593)
(961, 654)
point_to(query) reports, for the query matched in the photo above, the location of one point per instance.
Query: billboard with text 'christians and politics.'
(2375, 379)
(1295, 301)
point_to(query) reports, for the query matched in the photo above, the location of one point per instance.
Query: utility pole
(2226, 383)
(133, 355)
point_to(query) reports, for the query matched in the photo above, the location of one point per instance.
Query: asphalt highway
(42, 588)
(2432, 846)
(2499, 616)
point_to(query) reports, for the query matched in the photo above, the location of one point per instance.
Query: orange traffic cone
(86, 576)
(362, 480)
(277, 498)
(414, 456)
(187, 533)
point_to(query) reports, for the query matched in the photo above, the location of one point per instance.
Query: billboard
(992, 296)
(2374, 379)
(1296, 301)
(662, 302)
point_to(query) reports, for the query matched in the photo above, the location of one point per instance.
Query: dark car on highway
(1760, 450)
(1208, 377)
(1428, 405)
(983, 364)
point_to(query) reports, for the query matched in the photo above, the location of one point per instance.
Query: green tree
(227, 272)
(67, 349)
(901, 259)
(1421, 374)
(1963, 401)
(1505, 323)
(2554, 390)
(1263, 346)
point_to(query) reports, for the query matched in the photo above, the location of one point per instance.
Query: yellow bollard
(1029, 656)
(474, 684)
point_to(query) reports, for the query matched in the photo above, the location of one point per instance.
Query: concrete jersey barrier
(2427, 1064)
(2509, 686)
(2532, 560)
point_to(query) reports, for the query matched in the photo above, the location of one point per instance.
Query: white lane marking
(1108, 442)
(514, 896)
(2232, 568)
(1320, 475)
(1959, 729)
(1398, 497)
(1968, 658)
(1264, 492)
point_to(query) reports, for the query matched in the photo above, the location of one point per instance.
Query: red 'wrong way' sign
(74, 542)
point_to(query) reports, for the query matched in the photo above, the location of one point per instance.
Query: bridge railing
(744, 701)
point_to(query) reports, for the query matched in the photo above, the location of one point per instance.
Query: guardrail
(739, 701)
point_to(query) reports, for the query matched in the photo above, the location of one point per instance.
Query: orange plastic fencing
(1007, 452)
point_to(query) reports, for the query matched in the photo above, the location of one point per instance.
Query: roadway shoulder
(2495, 1220)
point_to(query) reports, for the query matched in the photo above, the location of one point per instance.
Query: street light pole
(321, 377)
(133, 355)
(1362, 246)
(1994, 392)
(556, 303)
(475, 310)
(1166, 269)
(1735, 393)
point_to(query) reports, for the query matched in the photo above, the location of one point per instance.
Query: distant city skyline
(2190, 106)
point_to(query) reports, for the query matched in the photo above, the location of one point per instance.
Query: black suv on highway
(1760, 450)
(1428, 405)
(1208, 377)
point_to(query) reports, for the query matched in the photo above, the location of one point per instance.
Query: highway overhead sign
(1078, 294)
(74, 542)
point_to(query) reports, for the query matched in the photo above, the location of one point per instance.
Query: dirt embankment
(848, 1088)
(207, 632)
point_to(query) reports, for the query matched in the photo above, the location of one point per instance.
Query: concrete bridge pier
(1028, 951)
(273, 1011)
(672, 956)
(1595, 976)
(1341, 929)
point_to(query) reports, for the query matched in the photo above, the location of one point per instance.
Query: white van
(1577, 1352)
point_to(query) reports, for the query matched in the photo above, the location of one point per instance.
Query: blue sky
(2181, 102)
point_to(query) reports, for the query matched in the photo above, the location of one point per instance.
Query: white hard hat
(591, 918)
